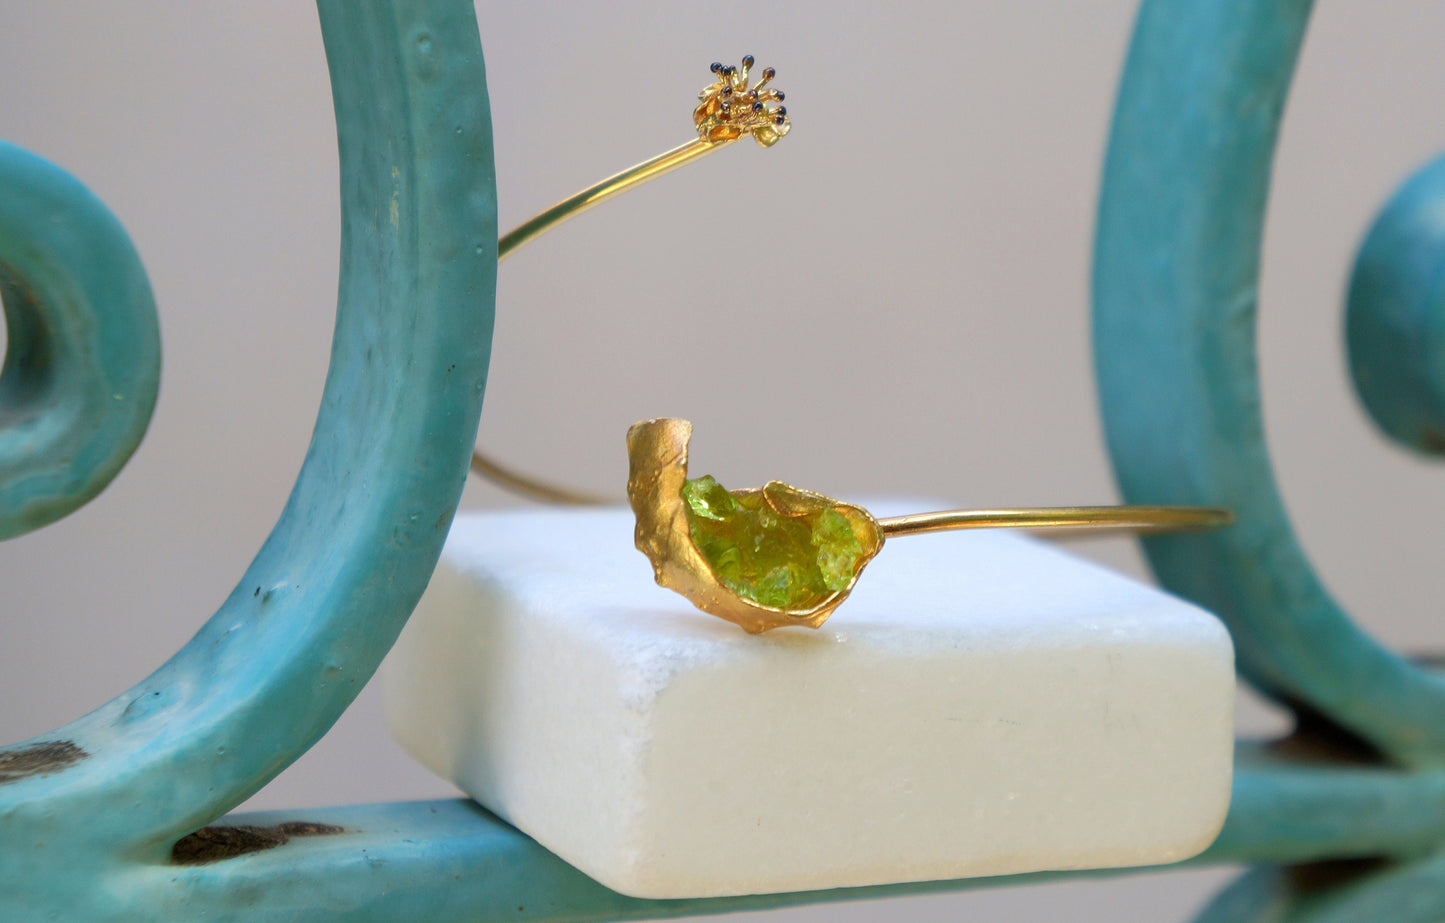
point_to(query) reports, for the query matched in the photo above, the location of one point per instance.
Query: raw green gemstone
(783, 562)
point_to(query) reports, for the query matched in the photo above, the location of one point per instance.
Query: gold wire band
(1074, 518)
(730, 108)
(571, 207)
(528, 486)
(1080, 518)
(597, 193)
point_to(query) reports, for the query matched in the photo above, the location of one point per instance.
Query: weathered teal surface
(95, 817)
(327, 594)
(1395, 323)
(84, 357)
(1176, 284)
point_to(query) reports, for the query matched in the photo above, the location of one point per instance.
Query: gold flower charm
(760, 558)
(731, 109)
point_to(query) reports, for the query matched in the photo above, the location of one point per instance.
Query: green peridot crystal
(791, 562)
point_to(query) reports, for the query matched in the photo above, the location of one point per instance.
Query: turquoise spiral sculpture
(82, 366)
(119, 815)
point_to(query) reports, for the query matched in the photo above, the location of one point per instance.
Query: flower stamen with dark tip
(730, 108)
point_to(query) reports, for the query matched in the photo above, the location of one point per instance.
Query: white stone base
(984, 704)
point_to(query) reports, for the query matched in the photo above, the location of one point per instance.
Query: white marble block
(984, 704)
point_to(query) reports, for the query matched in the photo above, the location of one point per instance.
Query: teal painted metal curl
(329, 591)
(452, 860)
(1408, 893)
(1176, 281)
(1395, 320)
(83, 357)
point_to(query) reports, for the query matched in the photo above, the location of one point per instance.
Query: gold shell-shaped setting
(657, 450)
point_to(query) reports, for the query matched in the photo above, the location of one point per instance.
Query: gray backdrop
(903, 305)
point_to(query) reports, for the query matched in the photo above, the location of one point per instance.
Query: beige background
(892, 300)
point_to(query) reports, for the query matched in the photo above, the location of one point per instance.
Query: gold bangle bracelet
(775, 555)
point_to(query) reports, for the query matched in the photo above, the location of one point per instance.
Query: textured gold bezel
(657, 450)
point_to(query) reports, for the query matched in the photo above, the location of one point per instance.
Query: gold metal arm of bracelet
(728, 109)
(1078, 518)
